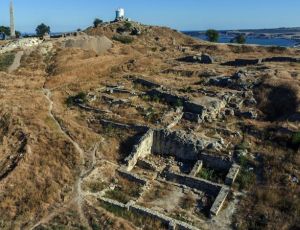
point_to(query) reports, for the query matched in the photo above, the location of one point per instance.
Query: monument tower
(12, 20)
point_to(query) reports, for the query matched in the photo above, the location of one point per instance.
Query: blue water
(253, 40)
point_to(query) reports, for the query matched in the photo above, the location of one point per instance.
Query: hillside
(147, 128)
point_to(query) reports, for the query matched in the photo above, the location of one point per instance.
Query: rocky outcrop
(97, 44)
(199, 58)
(23, 43)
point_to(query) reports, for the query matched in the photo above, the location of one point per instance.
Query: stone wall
(281, 59)
(196, 169)
(177, 144)
(140, 150)
(216, 162)
(146, 83)
(206, 107)
(194, 182)
(131, 176)
(232, 174)
(219, 201)
(138, 128)
(130, 206)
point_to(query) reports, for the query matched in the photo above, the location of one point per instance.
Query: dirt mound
(98, 44)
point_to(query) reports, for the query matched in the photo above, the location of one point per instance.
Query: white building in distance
(120, 14)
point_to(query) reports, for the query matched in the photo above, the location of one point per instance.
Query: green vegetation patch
(6, 60)
(246, 177)
(123, 39)
(212, 175)
(79, 98)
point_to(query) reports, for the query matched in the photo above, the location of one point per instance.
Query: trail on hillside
(17, 61)
(78, 196)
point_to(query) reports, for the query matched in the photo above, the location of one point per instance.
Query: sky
(69, 15)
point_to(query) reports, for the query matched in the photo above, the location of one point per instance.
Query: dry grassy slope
(51, 167)
(46, 173)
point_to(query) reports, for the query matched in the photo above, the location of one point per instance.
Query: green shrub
(79, 98)
(97, 22)
(6, 61)
(207, 174)
(128, 26)
(296, 138)
(123, 39)
(240, 39)
(212, 35)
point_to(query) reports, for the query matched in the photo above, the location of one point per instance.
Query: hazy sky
(67, 15)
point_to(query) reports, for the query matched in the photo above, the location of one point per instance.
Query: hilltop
(128, 126)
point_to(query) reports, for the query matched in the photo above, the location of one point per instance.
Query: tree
(5, 30)
(42, 29)
(212, 35)
(97, 22)
(240, 39)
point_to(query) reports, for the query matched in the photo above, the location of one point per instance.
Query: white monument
(12, 20)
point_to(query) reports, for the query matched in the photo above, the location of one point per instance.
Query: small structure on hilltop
(120, 14)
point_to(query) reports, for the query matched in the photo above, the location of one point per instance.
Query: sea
(251, 40)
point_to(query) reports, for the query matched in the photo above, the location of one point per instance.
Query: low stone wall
(219, 201)
(232, 174)
(216, 162)
(167, 96)
(140, 150)
(244, 62)
(173, 223)
(194, 182)
(131, 176)
(183, 73)
(281, 59)
(130, 206)
(146, 83)
(146, 165)
(138, 128)
(196, 169)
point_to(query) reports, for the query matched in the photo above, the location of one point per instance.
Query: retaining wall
(194, 182)
(138, 128)
(140, 150)
(131, 176)
(130, 206)
(177, 144)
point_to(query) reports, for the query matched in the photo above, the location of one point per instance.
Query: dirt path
(17, 61)
(78, 196)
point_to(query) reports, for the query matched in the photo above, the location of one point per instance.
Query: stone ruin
(182, 146)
